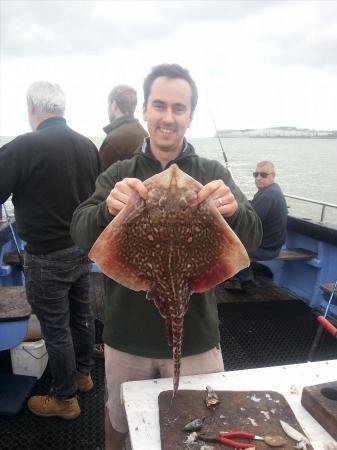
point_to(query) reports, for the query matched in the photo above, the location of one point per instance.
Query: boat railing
(324, 205)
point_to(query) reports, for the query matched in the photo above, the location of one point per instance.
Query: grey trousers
(260, 254)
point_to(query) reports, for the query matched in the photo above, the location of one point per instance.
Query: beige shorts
(121, 367)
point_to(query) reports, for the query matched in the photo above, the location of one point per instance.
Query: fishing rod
(324, 324)
(227, 164)
(13, 235)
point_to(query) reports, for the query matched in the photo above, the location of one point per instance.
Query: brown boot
(50, 406)
(84, 382)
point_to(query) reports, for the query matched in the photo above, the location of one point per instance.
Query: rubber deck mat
(264, 334)
(29, 432)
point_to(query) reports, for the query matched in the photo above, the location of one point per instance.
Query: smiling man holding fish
(168, 234)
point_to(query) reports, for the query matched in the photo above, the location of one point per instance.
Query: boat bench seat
(14, 315)
(294, 254)
(327, 288)
(13, 303)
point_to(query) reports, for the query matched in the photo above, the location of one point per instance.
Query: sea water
(304, 167)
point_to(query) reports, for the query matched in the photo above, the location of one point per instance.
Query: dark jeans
(57, 286)
(260, 254)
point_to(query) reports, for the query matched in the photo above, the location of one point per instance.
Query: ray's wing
(229, 258)
(106, 251)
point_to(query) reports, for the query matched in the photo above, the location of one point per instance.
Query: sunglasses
(262, 174)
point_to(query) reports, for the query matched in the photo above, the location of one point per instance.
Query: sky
(257, 64)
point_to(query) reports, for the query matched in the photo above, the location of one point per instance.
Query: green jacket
(132, 323)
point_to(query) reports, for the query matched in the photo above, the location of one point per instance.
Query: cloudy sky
(256, 63)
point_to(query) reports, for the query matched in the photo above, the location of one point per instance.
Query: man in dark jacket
(134, 333)
(271, 207)
(50, 172)
(124, 132)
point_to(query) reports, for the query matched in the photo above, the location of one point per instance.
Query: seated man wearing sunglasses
(271, 207)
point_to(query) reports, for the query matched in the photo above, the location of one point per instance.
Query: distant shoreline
(276, 137)
(277, 132)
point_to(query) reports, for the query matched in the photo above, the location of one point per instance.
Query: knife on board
(290, 431)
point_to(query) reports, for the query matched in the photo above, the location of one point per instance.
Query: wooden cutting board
(258, 412)
(321, 402)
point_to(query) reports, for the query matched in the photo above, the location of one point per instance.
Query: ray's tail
(177, 340)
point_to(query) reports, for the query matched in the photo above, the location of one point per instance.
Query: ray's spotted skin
(170, 246)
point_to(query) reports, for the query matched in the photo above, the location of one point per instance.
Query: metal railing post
(323, 213)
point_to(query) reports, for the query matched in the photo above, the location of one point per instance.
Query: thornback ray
(170, 246)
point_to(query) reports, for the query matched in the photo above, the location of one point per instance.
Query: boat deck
(261, 290)
(29, 432)
(260, 326)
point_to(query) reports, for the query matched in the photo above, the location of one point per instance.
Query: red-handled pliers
(225, 437)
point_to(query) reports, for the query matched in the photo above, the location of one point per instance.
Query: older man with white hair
(49, 172)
